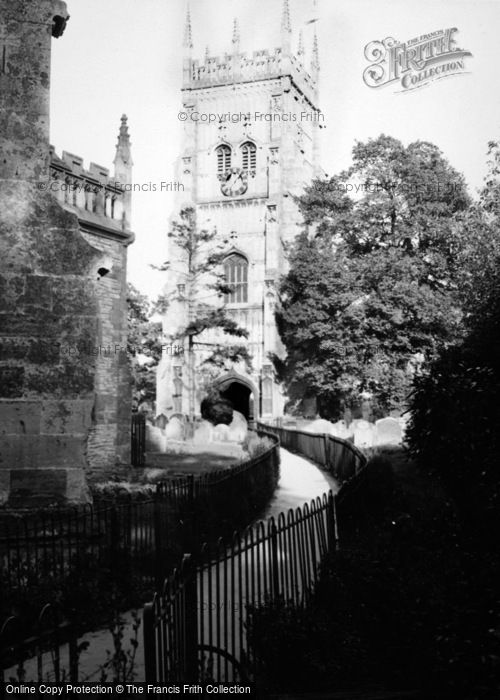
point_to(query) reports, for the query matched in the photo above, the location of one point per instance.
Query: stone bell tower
(250, 144)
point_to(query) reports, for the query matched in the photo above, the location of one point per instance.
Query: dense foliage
(403, 606)
(455, 407)
(216, 409)
(143, 345)
(372, 289)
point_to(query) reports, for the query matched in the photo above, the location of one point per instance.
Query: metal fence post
(331, 515)
(191, 618)
(158, 543)
(148, 621)
(275, 574)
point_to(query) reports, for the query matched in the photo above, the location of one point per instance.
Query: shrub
(256, 445)
(216, 409)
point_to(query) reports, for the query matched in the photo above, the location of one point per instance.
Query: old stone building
(250, 144)
(64, 231)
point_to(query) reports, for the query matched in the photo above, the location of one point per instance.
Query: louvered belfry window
(236, 274)
(223, 159)
(249, 156)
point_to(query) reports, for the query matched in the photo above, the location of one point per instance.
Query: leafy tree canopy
(143, 345)
(372, 289)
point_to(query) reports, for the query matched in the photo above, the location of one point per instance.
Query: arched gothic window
(236, 274)
(249, 156)
(223, 159)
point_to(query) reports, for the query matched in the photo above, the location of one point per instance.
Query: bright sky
(125, 56)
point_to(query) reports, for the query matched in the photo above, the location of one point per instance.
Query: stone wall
(109, 439)
(64, 406)
(48, 303)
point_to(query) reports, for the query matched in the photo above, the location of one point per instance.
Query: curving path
(300, 482)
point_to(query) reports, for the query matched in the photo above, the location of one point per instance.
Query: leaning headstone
(319, 426)
(221, 433)
(155, 439)
(389, 431)
(364, 433)
(161, 421)
(204, 433)
(175, 429)
(238, 428)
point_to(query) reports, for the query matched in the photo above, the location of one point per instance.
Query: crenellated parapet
(93, 194)
(237, 67)
(260, 65)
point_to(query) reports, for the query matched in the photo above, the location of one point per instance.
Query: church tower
(249, 145)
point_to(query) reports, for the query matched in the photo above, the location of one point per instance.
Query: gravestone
(238, 428)
(388, 431)
(175, 429)
(319, 426)
(161, 421)
(340, 430)
(155, 438)
(364, 433)
(203, 433)
(221, 433)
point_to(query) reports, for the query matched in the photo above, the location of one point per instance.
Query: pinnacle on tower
(315, 54)
(123, 155)
(286, 30)
(236, 33)
(300, 50)
(123, 169)
(286, 24)
(188, 34)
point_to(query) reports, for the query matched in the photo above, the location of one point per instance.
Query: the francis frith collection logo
(414, 63)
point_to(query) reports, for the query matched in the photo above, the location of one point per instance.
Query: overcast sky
(125, 56)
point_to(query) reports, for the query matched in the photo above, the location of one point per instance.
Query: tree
(372, 291)
(201, 254)
(455, 408)
(144, 345)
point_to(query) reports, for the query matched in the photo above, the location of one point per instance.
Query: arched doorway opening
(241, 393)
(241, 398)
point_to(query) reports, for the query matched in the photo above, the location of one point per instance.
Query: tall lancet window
(249, 157)
(236, 274)
(223, 159)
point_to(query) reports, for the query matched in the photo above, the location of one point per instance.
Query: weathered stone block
(11, 289)
(20, 417)
(38, 292)
(12, 381)
(66, 417)
(31, 451)
(77, 490)
(37, 487)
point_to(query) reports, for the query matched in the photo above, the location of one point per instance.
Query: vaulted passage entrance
(241, 393)
(241, 398)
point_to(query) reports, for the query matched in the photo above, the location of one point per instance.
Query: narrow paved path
(300, 482)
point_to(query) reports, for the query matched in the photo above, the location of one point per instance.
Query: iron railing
(141, 539)
(138, 440)
(199, 626)
(338, 456)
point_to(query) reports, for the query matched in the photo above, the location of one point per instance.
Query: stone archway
(241, 392)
